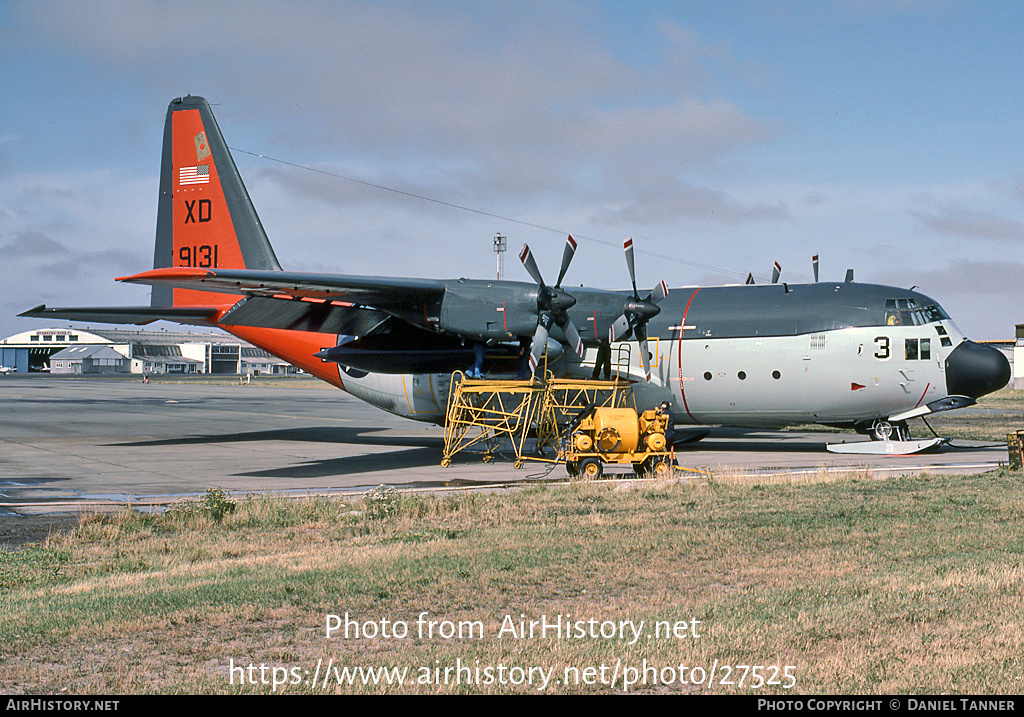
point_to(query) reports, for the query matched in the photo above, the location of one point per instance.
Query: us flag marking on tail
(194, 175)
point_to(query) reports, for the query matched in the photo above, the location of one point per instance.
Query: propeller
(637, 312)
(553, 305)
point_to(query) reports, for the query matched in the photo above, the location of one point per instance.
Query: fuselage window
(918, 349)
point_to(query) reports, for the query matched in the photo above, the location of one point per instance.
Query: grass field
(783, 586)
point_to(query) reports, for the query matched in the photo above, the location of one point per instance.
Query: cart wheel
(591, 468)
(572, 468)
(658, 467)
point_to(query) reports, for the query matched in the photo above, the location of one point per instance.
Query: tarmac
(86, 444)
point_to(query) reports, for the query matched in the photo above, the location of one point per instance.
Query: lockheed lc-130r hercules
(861, 356)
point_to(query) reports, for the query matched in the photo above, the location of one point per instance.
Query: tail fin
(205, 218)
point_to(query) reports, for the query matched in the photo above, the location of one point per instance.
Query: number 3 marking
(882, 348)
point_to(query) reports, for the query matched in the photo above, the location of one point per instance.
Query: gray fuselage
(772, 355)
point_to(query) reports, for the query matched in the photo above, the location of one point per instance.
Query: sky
(397, 138)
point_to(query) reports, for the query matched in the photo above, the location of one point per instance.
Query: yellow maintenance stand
(488, 414)
(584, 424)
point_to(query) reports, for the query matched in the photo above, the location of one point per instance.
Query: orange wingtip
(168, 274)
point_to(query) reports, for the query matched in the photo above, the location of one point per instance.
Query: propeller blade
(540, 339)
(776, 271)
(814, 261)
(645, 355)
(572, 336)
(628, 246)
(619, 330)
(567, 254)
(659, 292)
(526, 256)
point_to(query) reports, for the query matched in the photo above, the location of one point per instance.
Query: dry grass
(861, 585)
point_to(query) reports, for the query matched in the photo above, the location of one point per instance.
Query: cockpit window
(935, 313)
(906, 312)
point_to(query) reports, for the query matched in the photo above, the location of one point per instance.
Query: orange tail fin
(205, 217)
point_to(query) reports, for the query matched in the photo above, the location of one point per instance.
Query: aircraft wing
(124, 314)
(273, 299)
(391, 294)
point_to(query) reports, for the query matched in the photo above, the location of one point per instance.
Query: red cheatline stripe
(923, 395)
(682, 391)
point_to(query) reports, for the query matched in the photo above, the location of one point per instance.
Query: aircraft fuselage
(773, 355)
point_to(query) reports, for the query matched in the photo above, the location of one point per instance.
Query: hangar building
(70, 350)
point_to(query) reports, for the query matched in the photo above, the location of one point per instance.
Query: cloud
(97, 263)
(965, 277)
(31, 244)
(674, 200)
(969, 223)
(507, 102)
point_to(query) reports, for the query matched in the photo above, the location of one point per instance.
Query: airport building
(1017, 362)
(93, 351)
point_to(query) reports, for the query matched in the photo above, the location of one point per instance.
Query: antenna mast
(499, 249)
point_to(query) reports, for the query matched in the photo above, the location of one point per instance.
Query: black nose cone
(974, 370)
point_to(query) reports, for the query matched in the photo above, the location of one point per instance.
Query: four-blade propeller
(637, 312)
(553, 305)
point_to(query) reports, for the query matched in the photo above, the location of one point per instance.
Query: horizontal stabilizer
(123, 314)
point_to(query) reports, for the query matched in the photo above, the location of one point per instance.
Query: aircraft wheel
(445, 462)
(881, 430)
(591, 468)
